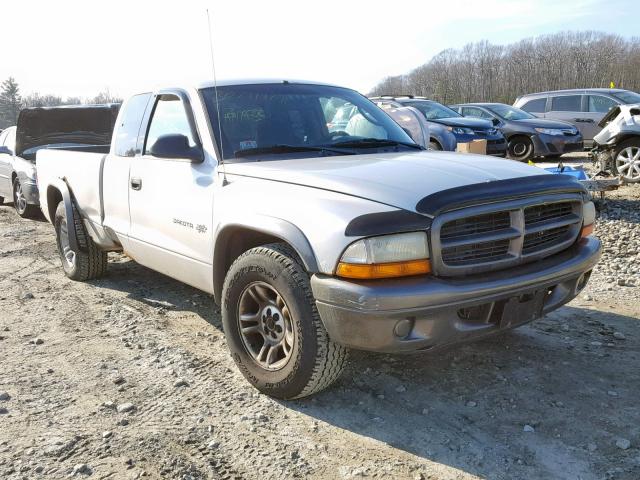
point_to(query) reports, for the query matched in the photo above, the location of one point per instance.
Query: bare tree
(485, 72)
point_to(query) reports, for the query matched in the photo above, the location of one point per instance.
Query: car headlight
(31, 173)
(588, 219)
(460, 130)
(550, 131)
(387, 256)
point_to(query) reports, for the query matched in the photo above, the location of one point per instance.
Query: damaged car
(78, 127)
(617, 146)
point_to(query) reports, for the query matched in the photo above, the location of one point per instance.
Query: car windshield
(510, 113)
(433, 110)
(283, 120)
(627, 97)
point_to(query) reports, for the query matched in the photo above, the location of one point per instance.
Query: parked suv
(584, 108)
(527, 136)
(463, 129)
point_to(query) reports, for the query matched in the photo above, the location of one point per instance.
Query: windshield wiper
(376, 142)
(287, 149)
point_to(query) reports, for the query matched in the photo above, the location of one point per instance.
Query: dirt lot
(129, 377)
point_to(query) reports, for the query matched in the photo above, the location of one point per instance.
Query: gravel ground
(129, 377)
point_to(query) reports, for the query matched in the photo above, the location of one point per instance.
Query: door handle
(136, 183)
(583, 120)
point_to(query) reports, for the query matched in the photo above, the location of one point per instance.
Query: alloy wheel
(19, 199)
(266, 327)
(628, 163)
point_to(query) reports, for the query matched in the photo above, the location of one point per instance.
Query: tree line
(484, 72)
(11, 101)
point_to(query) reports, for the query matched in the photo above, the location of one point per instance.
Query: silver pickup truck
(312, 240)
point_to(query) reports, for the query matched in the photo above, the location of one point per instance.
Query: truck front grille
(475, 240)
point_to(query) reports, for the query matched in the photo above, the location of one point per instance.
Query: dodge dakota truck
(313, 240)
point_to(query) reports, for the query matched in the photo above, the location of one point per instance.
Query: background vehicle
(464, 129)
(527, 136)
(314, 241)
(617, 146)
(441, 137)
(584, 108)
(69, 127)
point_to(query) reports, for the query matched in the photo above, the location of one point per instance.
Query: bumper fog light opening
(403, 328)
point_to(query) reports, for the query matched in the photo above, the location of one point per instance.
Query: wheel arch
(233, 239)
(60, 191)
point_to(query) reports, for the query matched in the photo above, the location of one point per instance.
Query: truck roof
(258, 81)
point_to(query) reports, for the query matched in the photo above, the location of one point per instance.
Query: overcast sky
(77, 48)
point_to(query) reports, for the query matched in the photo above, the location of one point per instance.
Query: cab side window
(598, 103)
(129, 127)
(169, 118)
(535, 106)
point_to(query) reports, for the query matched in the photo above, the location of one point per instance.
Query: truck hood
(400, 180)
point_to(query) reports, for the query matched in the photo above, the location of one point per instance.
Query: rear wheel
(433, 145)
(1, 200)
(520, 148)
(20, 202)
(272, 326)
(87, 261)
(627, 160)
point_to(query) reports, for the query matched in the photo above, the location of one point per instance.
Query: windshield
(285, 119)
(627, 97)
(510, 113)
(433, 110)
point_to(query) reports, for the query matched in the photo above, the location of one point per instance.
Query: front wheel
(520, 148)
(272, 326)
(627, 160)
(20, 202)
(87, 261)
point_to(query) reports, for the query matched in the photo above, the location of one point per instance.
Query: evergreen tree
(10, 102)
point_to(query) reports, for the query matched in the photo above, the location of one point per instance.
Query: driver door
(171, 200)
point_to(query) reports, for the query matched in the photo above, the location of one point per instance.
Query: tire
(1, 200)
(433, 145)
(267, 285)
(626, 160)
(520, 148)
(20, 202)
(89, 262)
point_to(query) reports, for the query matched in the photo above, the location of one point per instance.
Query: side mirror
(5, 151)
(176, 146)
(496, 122)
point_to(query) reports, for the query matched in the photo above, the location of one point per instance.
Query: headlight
(31, 173)
(550, 131)
(588, 219)
(388, 256)
(460, 130)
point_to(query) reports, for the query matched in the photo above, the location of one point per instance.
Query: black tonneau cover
(64, 126)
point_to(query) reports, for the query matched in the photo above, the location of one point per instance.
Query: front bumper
(424, 313)
(544, 145)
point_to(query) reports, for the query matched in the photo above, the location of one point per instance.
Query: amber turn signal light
(586, 230)
(383, 270)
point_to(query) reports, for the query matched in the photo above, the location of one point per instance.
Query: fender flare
(259, 224)
(63, 187)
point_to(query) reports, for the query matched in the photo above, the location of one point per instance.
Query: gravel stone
(528, 428)
(125, 407)
(619, 336)
(623, 443)
(4, 396)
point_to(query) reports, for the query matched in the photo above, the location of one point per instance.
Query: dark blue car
(464, 129)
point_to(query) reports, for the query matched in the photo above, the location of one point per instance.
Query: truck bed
(81, 171)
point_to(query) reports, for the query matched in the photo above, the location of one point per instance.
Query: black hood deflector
(75, 125)
(498, 190)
